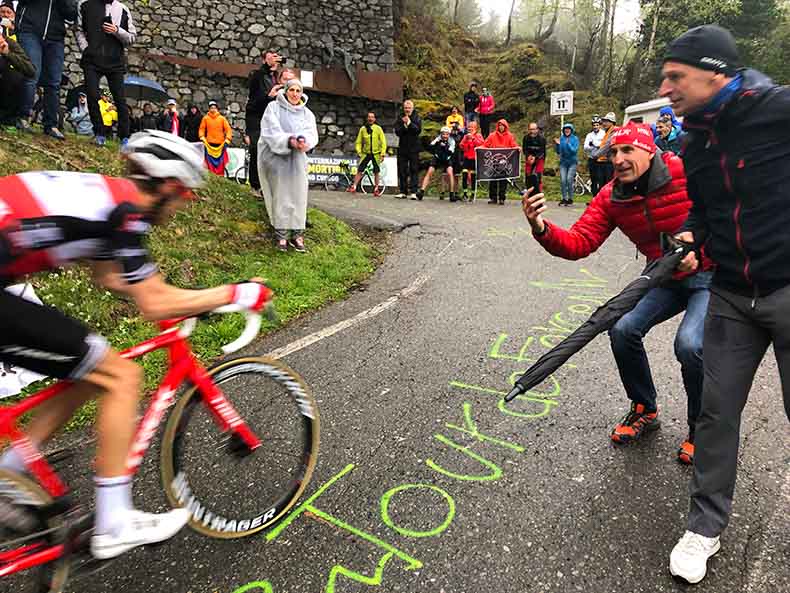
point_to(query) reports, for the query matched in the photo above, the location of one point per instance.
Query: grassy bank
(222, 237)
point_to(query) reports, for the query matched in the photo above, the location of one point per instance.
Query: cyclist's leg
(363, 164)
(376, 173)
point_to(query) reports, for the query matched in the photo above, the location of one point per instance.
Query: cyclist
(371, 146)
(50, 219)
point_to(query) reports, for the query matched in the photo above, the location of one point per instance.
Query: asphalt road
(435, 487)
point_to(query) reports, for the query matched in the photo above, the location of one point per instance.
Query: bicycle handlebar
(248, 334)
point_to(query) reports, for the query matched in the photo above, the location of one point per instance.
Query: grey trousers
(738, 331)
(284, 234)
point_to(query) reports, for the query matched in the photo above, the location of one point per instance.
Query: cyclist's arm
(158, 300)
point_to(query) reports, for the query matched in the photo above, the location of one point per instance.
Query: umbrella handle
(514, 393)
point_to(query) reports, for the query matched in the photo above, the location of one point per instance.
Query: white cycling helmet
(163, 155)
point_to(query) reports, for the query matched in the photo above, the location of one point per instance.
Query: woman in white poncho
(288, 131)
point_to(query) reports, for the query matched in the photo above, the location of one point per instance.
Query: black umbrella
(656, 273)
(143, 89)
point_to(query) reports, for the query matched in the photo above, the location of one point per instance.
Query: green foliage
(771, 55)
(223, 237)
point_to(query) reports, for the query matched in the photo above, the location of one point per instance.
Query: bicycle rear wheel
(231, 491)
(28, 526)
(579, 187)
(336, 182)
(241, 176)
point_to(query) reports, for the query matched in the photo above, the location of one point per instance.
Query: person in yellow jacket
(455, 118)
(215, 133)
(109, 114)
(371, 147)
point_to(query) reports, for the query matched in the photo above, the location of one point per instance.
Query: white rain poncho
(283, 171)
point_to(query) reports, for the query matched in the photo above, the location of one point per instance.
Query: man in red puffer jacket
(647, 197)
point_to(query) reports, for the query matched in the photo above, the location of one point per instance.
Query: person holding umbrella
(647, 197)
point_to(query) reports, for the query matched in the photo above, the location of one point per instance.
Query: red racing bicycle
(238, 450)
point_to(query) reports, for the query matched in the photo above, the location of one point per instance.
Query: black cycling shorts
(44, 340)
(469, 165)
(363, 164)
(441, 165)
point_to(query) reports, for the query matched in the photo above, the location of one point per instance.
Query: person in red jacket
(468, 145)
(647, 197)
(500, 138)
(486, 111)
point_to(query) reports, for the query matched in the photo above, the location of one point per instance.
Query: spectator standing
(591, 143)
(668, 136)
(408, 129)
(486, 110)
(454, 119)
(457, 132)
(192, 121)
(469, 145)
(288, 131)
(534, 148)
(80, 116)
(170, 120)
(601, 154)
(735, 155)
(499, 138)
(371, 146)
(471, 103)
(443, 148)
(215, 133)
(15, 69)
(263, 88)
(567, 146)
(104, 30)
(40, 30)
(149, 120)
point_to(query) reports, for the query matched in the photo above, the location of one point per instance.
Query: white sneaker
(689, 557)
(138, 529)
(400, 196)
(412, 196)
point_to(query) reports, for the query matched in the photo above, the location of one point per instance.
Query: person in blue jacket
(567, 146)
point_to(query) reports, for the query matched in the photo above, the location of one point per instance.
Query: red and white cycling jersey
(49, 219)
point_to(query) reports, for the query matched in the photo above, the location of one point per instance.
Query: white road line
(306, 341)
(777, 523)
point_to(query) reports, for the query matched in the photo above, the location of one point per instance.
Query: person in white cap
(605, 169)
(170, 120)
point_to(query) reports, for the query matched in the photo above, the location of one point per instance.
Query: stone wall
(239, 31)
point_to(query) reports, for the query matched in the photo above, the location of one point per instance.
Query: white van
(646, 113)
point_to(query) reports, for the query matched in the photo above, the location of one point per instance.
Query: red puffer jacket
(641, 218)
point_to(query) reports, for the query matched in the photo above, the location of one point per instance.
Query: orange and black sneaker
(686, 452)
(635, 424)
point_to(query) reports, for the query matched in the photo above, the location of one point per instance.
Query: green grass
(223, 237)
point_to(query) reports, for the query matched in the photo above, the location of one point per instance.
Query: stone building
(200, 50)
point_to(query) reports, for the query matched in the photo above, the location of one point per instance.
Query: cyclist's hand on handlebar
(252, 295)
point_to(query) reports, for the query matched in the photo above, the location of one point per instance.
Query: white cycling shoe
(689, 557)
(138, 529)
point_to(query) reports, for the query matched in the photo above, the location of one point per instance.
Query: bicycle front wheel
(579, 188)
(231, 491)
(241, 176)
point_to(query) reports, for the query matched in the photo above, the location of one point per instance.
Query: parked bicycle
(344, 178)
(581, 185)
(236, 470)
(241, 174)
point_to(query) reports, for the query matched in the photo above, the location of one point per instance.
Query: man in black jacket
(736, 160)
(40, 30)
(104, 31)
(408, 129)
(15, 67)
(471, 101)
(534, 148)
(263, 87)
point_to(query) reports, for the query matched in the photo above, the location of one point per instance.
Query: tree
(489, 31)
(510, 22)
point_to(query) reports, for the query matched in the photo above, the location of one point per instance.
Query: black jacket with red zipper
(737, 163)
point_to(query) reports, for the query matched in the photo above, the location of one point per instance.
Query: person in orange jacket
(500, 138)
(215, 133)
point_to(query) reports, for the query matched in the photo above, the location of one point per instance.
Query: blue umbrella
(143, 89)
